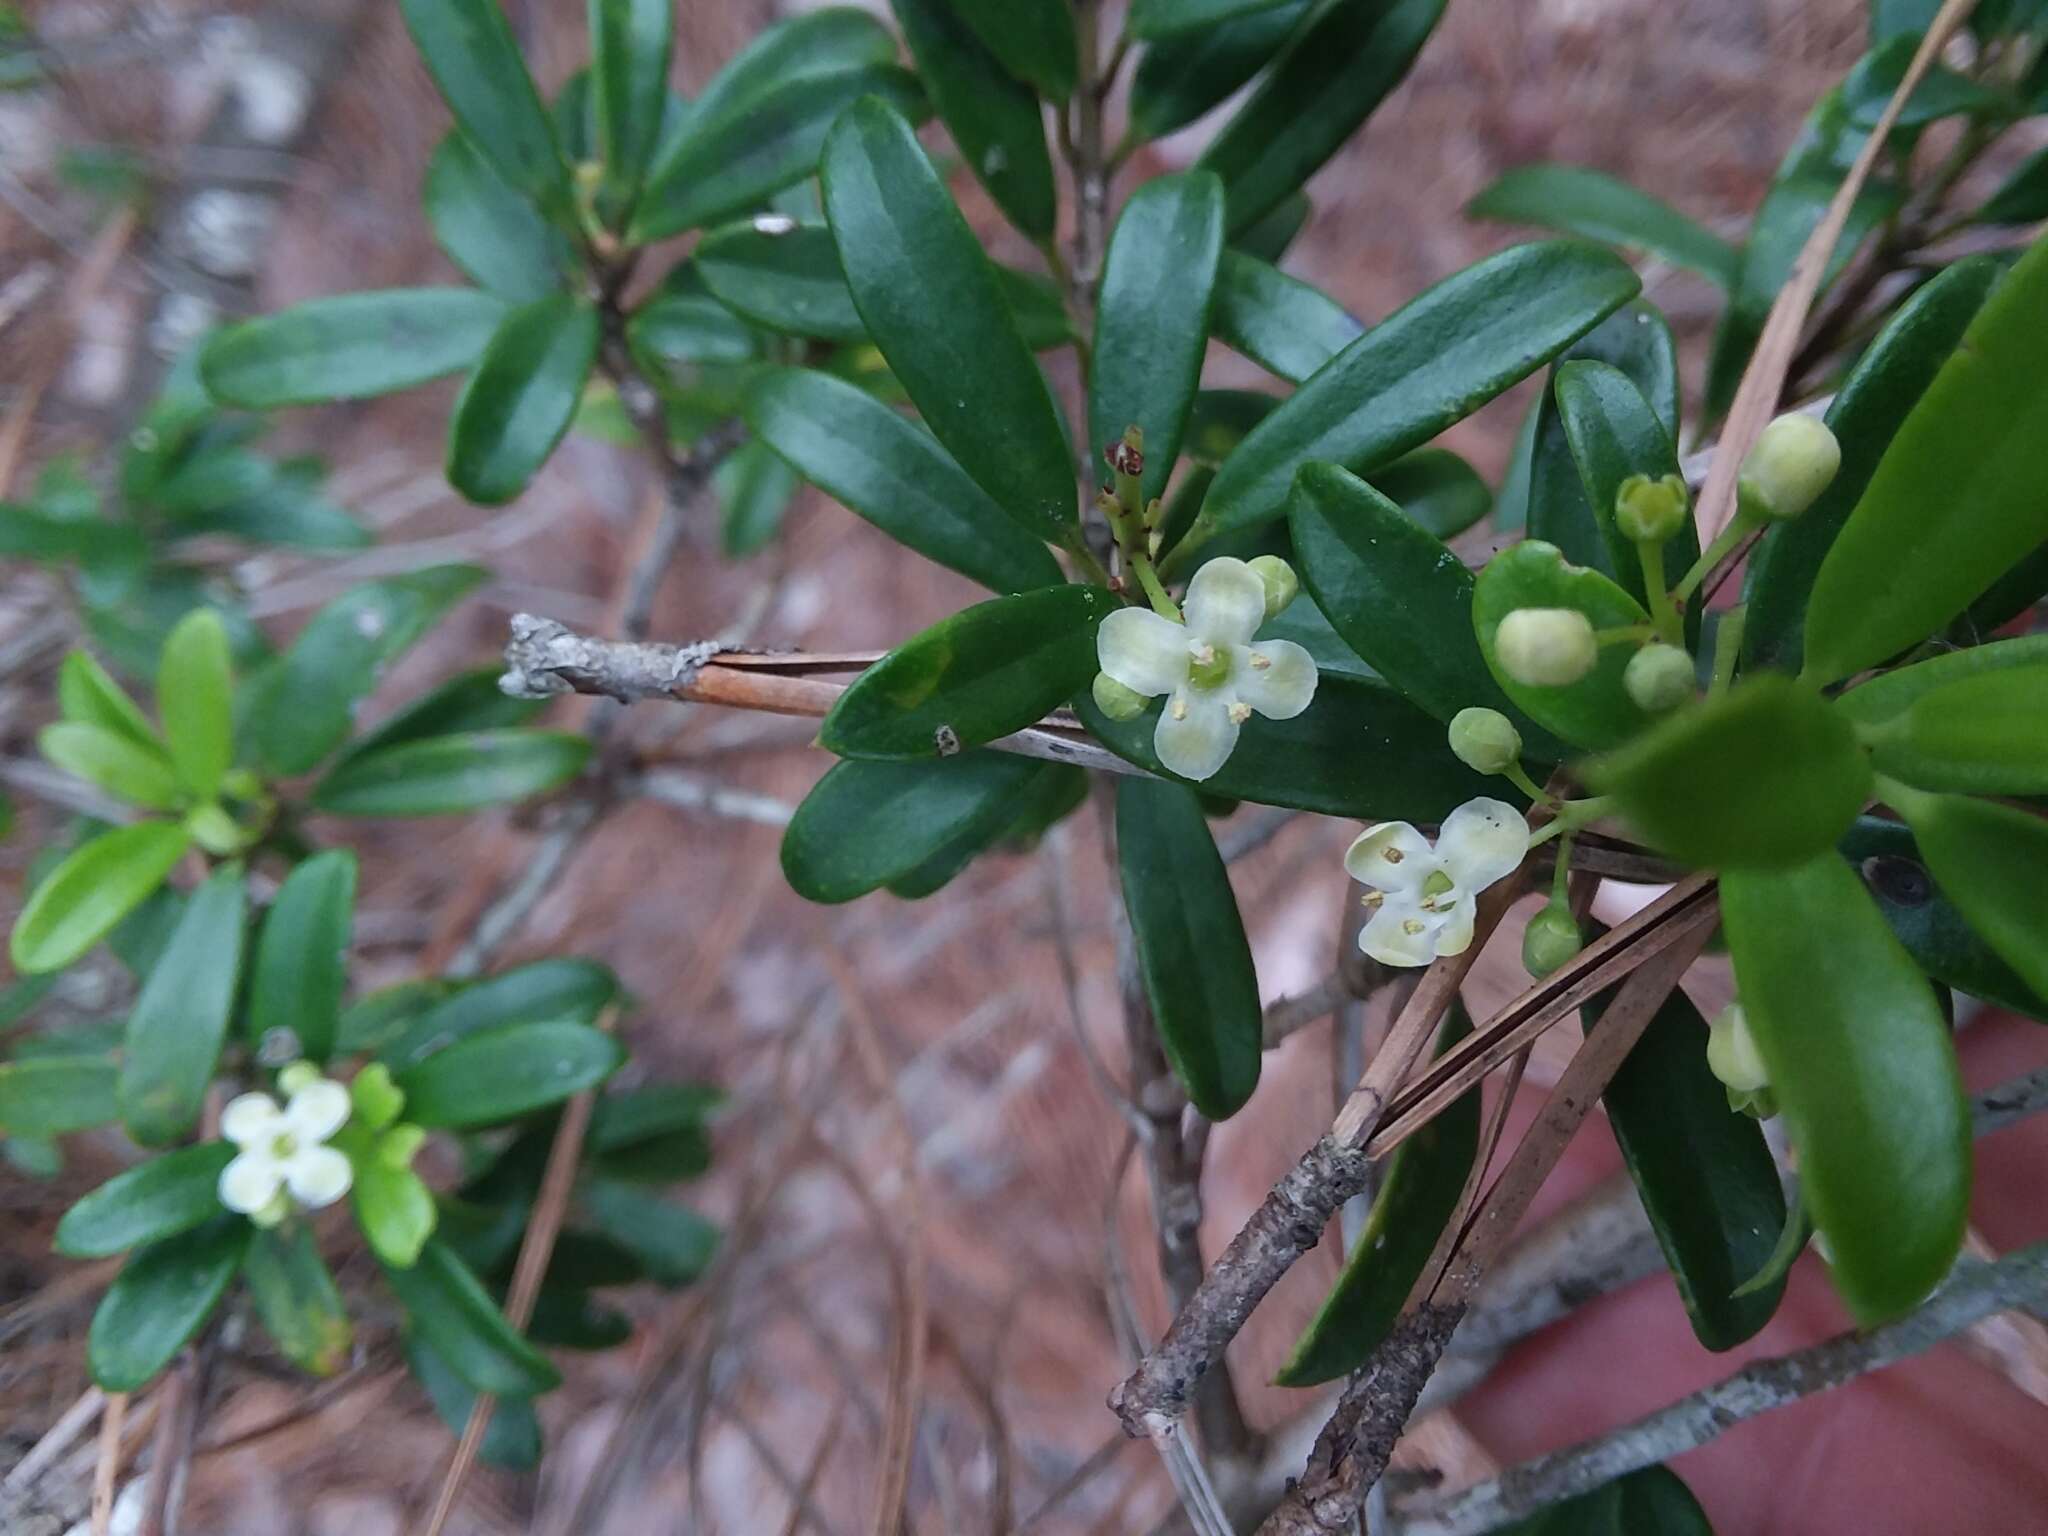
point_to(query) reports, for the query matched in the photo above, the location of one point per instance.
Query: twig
(1253, 833)
(108, 1464)
(1286, 1016)
(1764, 380)
(55, 1442)
(558, 1178)
(688, 791)
(1976, 1291)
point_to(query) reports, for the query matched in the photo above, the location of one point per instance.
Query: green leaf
(723, 166)
(304, 705)
(1425, 366)
(1192, 952)
(1361, 751)
(1764, 777)
(1889, 695)
(100, 883)
(1614, 433)
(301, 962)
(1928, 922)
(1988, 860)
(891, 472)
(1419, 1190)
(1284, 325)
(500, 1074)
(1152, 318)
(468, 701)
(180, 1019)
(673, 1242)
(276, 503)
(1637, 340)
(394, 1209)
(1182, 78)
(1033, 38)
(152, 1200)
(657, 1111)
(1577, 200)
(1705, 1174)
(512, 1438)
(1270, 237)
(1437, 489)
(453, 1313)
(673, 335)
(1649, 1502)
(830, 40)
(50, 1095)
(468, 47)
(490, 231)
(88, 694)
(160, 1299)
(629, 53)
(1941, 92)
(577, 990)
(1152, 19)
(987, 671)
(1954, 502)
(371, 1022)
(1863, 1068)
(784, 277)
(932, 303)
(519, 402)
(1051, 793)
(755, 487)
(350, 347)
(865, 824)
(2022, 198)
(1326, 82)
(138, 774)
(195, 692)
(1596, 711)
(1982, 734)
(297, 1300)
(450, 775)
(993, 116)
(1398, 597)
(1880, 391)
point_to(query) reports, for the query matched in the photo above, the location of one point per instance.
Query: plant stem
(1727, 647)
(1518, 776)
(1571, 815)
(1663, 615)
(1737, 530)
(1626, 634)
(1162, 603)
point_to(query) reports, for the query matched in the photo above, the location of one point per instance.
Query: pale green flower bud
(1485, 740)
(1281, 582)
(1546, 647)
(1115, 700)
(300, 1074)
(1792, 463)
(1550, 941)
(1732, 1055)
(1659, 677)
(213, 829)
(1650, 511)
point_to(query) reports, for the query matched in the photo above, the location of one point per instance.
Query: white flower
(1424, 898)
(283, 1149)
(1212, 675)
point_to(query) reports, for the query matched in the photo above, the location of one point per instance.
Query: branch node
(544, 658)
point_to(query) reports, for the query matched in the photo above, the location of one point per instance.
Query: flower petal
(251, 1118)
(1454, 931)
(250, 1182)
(317, 1110)
(1226, 602)
(1481, 841)
(1400, 933)
(1392, 856)
(1195, 732)
(1275, 677)
(317, 1176)
(1146, 653)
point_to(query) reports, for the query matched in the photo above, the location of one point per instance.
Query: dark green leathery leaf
(1192, 952)
(520, 400)
(180, 1019)
(1614, 434)
(1577, 200)
(350, 347)
(160, 1299)
(1179, 79)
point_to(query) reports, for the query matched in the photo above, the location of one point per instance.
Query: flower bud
(300, 1074)
(1281, 583)
(1650, 511)
(1732, 1055)
(1546, 647)
(1550, 941)
(1115, 700)
(1127, 454)
(1659, 677)
(1792, 463)
(1485, 740)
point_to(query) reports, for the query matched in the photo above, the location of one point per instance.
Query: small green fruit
(1485, 740)
(1550, 941)
(1546, 647)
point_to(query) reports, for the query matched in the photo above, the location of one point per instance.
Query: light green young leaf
(138, 774)
(100, 883)
(195, 692)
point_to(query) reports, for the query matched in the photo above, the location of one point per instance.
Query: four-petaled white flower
(284, 1150)
(1423, 898)
(1212, 675)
